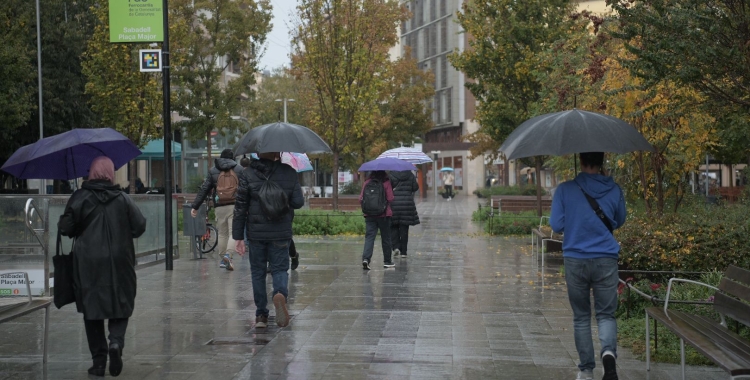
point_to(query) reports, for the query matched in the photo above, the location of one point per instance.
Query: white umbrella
(412, 155)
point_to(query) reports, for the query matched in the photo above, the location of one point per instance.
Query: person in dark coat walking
(268, 239)
(104, 221)
(404, 210)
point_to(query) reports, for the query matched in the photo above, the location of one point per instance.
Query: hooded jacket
(104, 221)
(586, 236)
(247, 212)
(209, 184)
(404, 209)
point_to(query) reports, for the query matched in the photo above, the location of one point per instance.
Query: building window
(444, 35)
(433, 10)
(443, 8)
(443, 71)
(448, 104)
(418, 10)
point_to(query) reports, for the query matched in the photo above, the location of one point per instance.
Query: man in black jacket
(223, 211)
(268, 239)
(404, 210)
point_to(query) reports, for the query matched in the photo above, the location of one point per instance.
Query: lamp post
(434, 172)
(285, 100)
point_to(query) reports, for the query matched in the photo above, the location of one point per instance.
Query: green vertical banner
(136, 21)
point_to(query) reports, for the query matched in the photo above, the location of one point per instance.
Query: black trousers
(98, 342)
(400, 237)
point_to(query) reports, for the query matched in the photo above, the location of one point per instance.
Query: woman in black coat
(404, 210)
(104, 221)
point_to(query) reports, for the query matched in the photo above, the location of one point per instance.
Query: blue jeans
(372, 225)
(599, 275)
(276, 253)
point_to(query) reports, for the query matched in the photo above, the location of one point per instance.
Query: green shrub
(698, 238)
(320, 222)
(509, 190)
(350, 188)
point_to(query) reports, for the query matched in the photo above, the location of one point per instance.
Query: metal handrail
(29, 210)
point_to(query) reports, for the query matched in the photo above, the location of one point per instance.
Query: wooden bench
(709, 337)
(346, 203)
(15, 307)
(543, 240)
(518, 203)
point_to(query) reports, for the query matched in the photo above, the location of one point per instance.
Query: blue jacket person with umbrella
(104, 221)
(587, 209)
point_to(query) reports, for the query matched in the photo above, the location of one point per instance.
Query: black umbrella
(281, 137)
(572, 131)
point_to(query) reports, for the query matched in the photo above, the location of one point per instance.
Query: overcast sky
(277, 42)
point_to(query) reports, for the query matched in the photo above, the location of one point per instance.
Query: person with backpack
(222, 180)
(376, 198)
(404, 210)
(269, 191)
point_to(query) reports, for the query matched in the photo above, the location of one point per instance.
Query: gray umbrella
(572, 131)
(280, 137)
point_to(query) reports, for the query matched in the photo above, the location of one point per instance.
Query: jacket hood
(595, 185)
(103, 190)
(400, 176)
(224, 164)
(262, 166)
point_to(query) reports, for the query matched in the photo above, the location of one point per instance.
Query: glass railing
(24, 249)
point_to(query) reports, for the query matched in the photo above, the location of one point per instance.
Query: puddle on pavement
(257, 341)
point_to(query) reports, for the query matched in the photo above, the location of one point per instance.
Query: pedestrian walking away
(587, 209)
(104, 221)
(376, 197)
(448, 179)
(404, 210)
(221, 184)
(269, 191)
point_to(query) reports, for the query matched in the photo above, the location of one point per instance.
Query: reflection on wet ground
(461, 306)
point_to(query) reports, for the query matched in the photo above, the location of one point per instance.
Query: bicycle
(207, 242)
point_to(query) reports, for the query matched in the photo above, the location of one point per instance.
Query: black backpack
(273, 200)
(373, 198)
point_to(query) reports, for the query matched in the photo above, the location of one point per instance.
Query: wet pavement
(463, 305)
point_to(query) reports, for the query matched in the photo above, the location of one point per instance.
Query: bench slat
(735, 289)
(737, 274)
(733, 308)
(723, 347)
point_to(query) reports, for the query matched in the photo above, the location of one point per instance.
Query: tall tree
(214, 60)
(18, 73)
(503, 55)
(267, 105)
(704, 44)
(127, 100)
(404, 111)
(342, 50)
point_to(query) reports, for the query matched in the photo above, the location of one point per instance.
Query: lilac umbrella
(69, 155)
(387, 163)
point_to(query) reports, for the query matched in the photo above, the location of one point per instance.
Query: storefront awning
(154, 150)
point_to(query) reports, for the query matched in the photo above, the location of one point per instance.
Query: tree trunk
(538, 167)
(132, 174)
(208, 148)
(506, 171)
(335, 181)
(642, 173)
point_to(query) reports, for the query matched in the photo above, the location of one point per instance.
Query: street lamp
(285, 100)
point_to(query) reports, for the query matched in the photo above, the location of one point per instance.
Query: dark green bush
(350, 188)
(320, 222)
(509, 190)
(698, 238)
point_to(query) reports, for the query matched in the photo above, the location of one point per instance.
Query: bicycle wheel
(211, 239)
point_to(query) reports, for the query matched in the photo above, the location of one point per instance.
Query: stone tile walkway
(462, 306)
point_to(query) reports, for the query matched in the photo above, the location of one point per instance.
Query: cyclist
(221, 179)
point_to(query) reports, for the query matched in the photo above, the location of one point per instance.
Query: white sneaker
(585, 375)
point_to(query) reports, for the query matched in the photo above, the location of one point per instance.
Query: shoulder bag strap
(597, 209)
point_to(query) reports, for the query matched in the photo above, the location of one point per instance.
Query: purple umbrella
(69, 155)
(387, 163)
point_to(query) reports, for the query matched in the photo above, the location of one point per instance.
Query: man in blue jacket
(268, 238)
(590, 252)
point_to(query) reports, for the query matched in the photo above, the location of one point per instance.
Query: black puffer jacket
(247, 212)
(209, 184)
(104, 221)
(404, 210)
